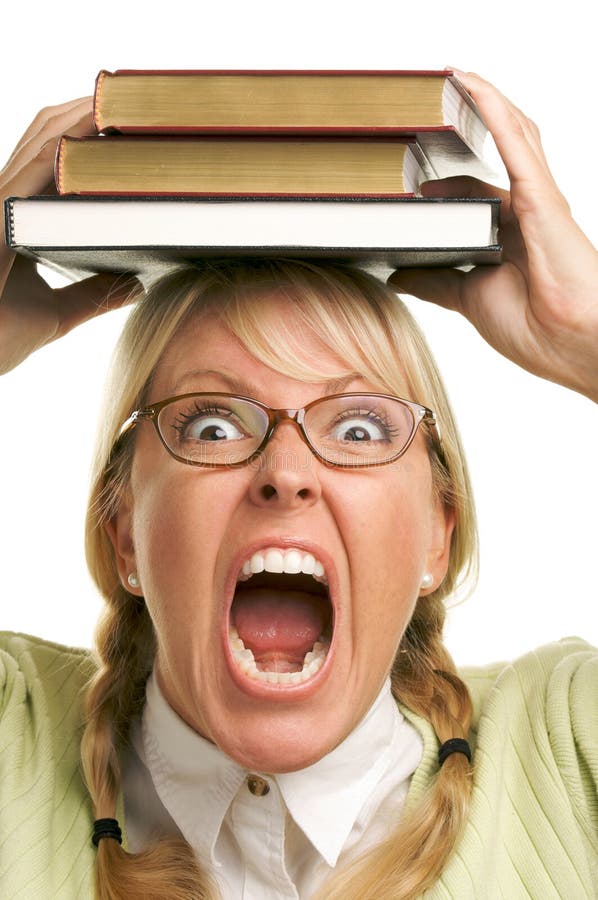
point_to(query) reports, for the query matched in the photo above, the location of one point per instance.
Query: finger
(483, 92)
(470, 80)
(33, 177)
(440, 286)
(53, 131)
(46, 114)
(78, 119)
(93, 296)
(516, 137)
(36, 171)
(7, 261)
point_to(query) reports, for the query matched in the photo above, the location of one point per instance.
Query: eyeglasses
(345, 430)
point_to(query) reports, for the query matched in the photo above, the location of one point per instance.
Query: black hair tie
(103, 828)
(455, 745)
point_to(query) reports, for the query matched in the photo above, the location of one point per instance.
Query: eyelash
(372, 416)
(183, 418)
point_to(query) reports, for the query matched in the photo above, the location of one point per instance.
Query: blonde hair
(362, 321)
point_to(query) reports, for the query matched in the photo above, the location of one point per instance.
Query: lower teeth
(244, 658)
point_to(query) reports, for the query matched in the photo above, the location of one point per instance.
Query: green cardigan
(533, 824)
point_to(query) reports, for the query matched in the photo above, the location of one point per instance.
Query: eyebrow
(238, 386)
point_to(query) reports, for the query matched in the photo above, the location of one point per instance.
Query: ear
(438, 556)
(120, 531)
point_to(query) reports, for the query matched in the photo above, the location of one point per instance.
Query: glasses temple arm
(134, 418)
(431, 418)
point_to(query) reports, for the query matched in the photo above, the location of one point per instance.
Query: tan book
(227, 101)
(257, 166)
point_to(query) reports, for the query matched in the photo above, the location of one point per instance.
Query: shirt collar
(197, 782)
(344, 778)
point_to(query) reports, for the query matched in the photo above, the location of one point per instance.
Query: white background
(531, 445)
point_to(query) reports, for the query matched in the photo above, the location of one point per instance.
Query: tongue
(279, 624)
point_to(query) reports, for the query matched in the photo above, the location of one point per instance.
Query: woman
(275, 522)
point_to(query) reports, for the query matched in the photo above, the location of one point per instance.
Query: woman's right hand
(31, 313)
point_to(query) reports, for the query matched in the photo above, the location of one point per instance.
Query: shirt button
(258, 786)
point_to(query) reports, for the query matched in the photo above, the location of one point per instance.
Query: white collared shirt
(283, 843)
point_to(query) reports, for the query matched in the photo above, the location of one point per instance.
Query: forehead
(206, 344)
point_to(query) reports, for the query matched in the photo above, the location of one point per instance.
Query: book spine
(97, 99)
(9, 222)
(59, 163)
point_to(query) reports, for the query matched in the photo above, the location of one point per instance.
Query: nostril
(269, 491)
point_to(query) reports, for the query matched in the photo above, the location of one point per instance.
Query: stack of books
(288, 163)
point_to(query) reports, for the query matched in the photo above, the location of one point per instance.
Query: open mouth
(281, 618)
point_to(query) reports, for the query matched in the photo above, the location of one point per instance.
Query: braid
(125, 645)
(424, 678)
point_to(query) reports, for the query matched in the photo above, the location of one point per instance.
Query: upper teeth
(291, 562)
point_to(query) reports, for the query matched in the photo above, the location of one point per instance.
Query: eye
(208, 423)
(362, 426)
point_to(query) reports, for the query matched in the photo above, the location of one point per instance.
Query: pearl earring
(427, 581)
(133, 580)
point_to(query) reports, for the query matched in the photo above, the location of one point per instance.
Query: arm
(31, 313)
(539, 307)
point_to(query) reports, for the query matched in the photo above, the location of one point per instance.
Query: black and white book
(82, 235)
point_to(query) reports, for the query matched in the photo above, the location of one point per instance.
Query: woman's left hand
(539, 307)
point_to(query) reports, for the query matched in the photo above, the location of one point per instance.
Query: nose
(286, 472)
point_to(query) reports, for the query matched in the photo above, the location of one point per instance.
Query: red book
(281, 102)
(255, 166)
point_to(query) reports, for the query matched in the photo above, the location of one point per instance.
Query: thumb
(93, 296)
(440, 286)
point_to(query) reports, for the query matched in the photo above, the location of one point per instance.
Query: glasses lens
(359, 429)
(211, 429)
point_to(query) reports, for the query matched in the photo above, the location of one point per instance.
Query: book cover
(79, 236)
(299, 166)
(283, 101)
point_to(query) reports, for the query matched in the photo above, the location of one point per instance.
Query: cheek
(180, 518)
(388, 521)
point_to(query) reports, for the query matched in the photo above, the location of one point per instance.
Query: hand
(31, 313)
(539, 307)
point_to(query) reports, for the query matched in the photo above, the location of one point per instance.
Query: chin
(275, 754)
